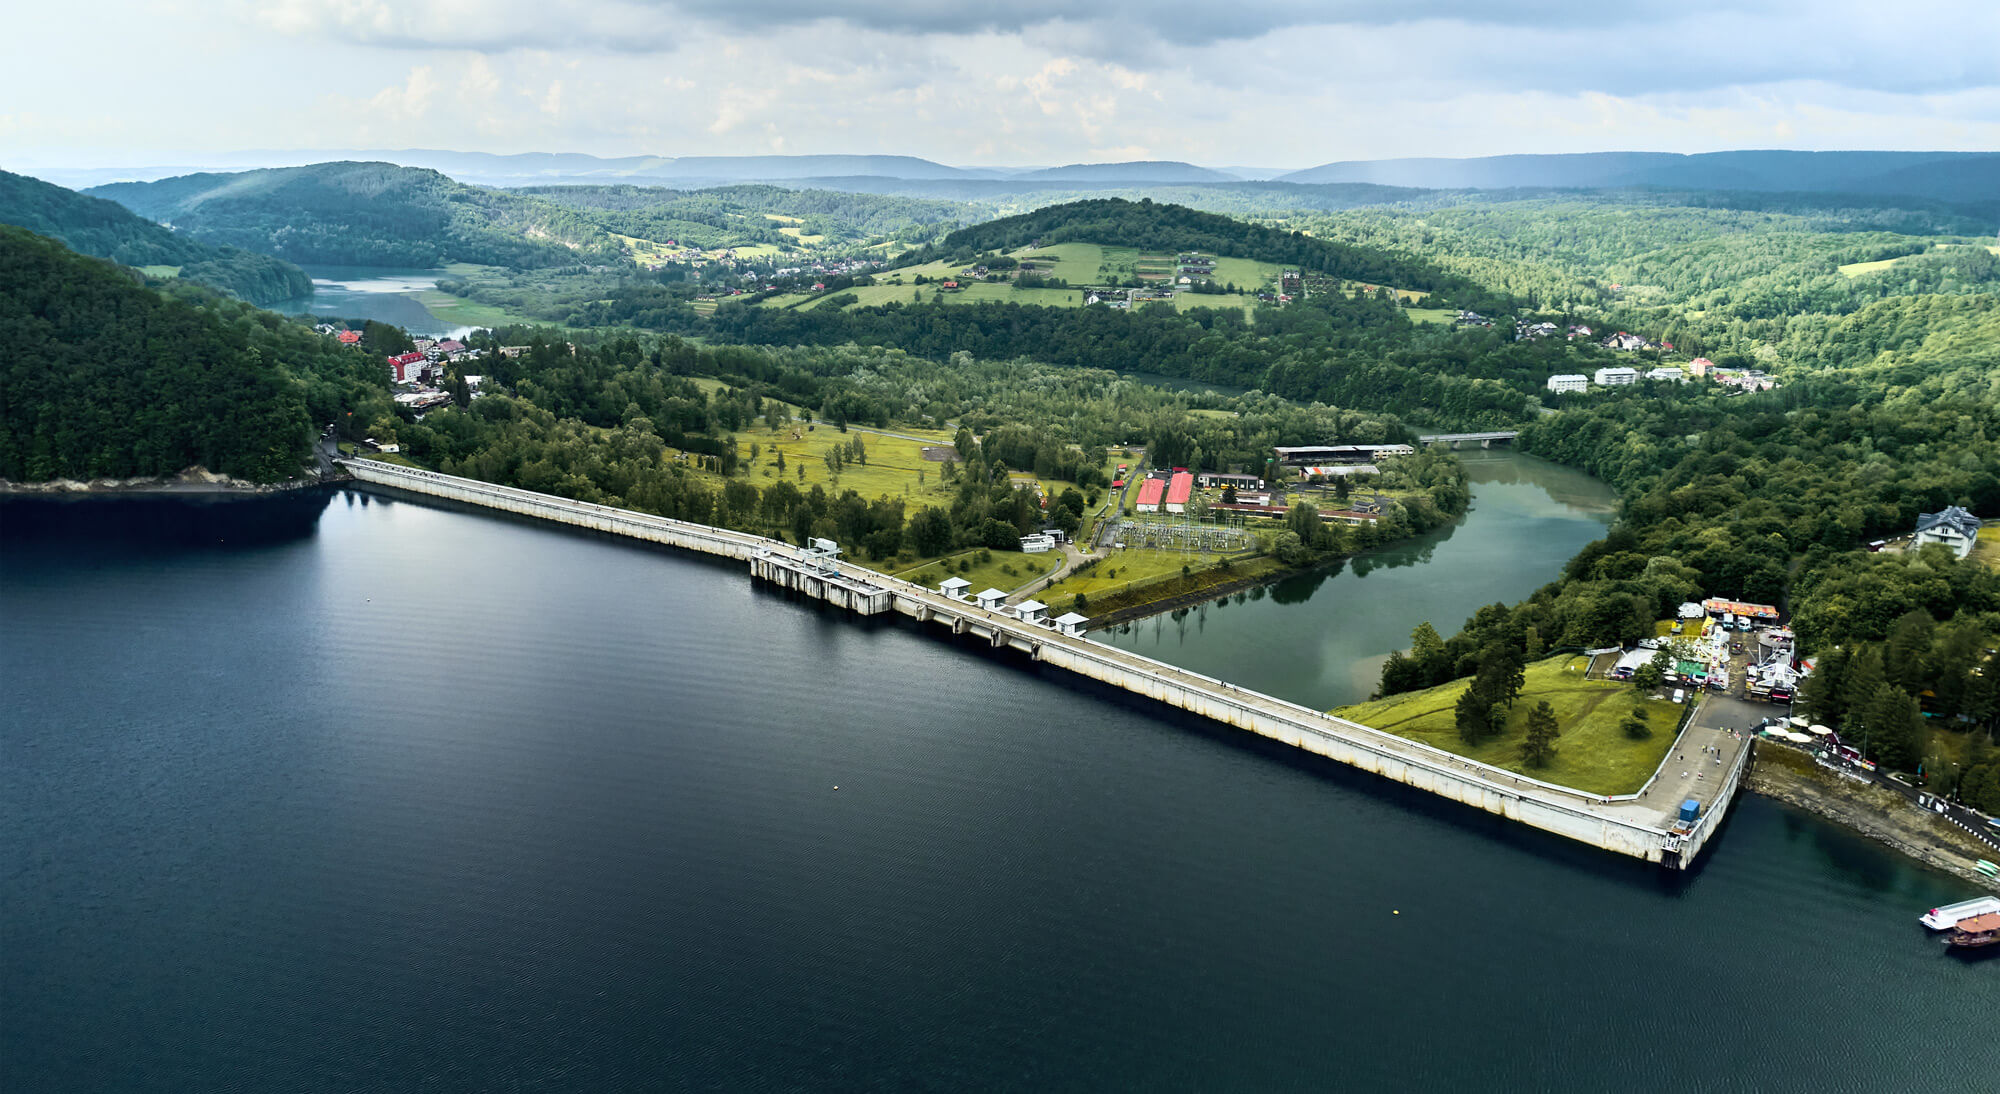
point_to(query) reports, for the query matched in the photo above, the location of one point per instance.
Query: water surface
(376, 795)
(385, 294)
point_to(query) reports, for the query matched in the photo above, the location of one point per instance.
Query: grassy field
(1856, 269)
(1429, 315)
(160, 271)
(1002, 570)
(1986, 549)
(1247, 274)
(1592, 754)
(459, 311)
(1187, 301)
(1076, 263)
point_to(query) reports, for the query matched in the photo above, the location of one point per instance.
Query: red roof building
(401, 363)
(348, 337)
(1150, 493)
(1179, 490)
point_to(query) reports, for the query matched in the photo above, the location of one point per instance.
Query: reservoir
(1320, 638)
(387, 295)
(335, 792)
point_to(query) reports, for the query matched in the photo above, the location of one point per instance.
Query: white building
(1070, 623)
(1568, 382)
(991, 599)
(1668, 372)
(1038, 543)
(1951, 526)
(1032, 611)
(1616, 376)
(954, 587)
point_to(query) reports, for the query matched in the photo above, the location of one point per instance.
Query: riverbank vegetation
(1592, 750)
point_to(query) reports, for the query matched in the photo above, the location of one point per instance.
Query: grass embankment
(1592, 754)
(1002, 570)
(1138, 576)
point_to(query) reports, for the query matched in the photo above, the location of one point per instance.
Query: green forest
(106, 229)
(103, 377)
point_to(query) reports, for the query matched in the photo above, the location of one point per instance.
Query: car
(1680, 695)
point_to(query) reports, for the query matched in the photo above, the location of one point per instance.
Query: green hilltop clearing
(1592, 754)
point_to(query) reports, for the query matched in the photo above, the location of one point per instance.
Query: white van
(1680, 695)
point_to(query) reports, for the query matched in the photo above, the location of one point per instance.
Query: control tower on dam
(1657, 824)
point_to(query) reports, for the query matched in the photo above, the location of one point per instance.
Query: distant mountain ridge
(105, 229)
(1947, 176)
(1137, 171)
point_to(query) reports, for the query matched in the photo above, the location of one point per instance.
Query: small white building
(1071, 623)
(1032, 611)
(991, 599)
(1617, 376)
(954, 587)
(1037, 544)
(1668, 372)
(1568, 383)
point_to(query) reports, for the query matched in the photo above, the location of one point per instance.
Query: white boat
(1947, 917)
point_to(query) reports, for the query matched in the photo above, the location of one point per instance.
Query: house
(1700, 367)
(1568, 383)
(819, 286)
(954, 587)
(403, 366)
(1668, 372)
(1951, 526)
(1032, 611)
(1617, 376)
(1624, 341)
(348, 338)
(991, 599)
(1039, 543)
(950, 286)
(1071, 623)
(1179, 489)
(451, 345)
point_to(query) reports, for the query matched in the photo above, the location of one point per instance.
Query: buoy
(1398, 911)
(836, 788)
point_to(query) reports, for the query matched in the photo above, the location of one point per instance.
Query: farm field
(1429, 315)
(1076, 263)
(1592, 754)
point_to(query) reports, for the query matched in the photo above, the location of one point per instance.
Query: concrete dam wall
(1636, 825)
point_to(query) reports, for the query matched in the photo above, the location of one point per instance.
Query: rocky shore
(1878, 814)
(194, 480)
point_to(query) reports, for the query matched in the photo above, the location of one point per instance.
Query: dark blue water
(408, 798)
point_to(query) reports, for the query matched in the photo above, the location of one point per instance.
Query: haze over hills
(1138, 171)
(1949, 176)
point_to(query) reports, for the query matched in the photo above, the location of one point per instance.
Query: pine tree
(1539, 747)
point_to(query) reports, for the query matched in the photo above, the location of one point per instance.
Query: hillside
(1171, 229)
(102, 377)
(367, 214)
(106, 229)
(734, 215)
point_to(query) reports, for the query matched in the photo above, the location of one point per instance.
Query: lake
(1320, 638)
(387, 295)
(335, 792)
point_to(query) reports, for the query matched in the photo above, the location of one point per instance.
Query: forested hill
(103, 377)
(367, 214)
(106, 229)
(1152, 226)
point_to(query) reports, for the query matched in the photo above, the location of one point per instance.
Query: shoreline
(1867, 811)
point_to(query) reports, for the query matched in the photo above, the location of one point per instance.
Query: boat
(1947, 917)
(1980, 930)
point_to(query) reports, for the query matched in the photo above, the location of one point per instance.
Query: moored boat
(1980, 930)
(1947, 917)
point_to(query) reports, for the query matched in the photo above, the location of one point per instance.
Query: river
(1320, 638)
(337, 793)
(387, 295)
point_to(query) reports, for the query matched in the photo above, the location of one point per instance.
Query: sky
(1015, 82)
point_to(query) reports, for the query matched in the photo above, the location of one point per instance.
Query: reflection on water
(1320, 638)
(384, 294)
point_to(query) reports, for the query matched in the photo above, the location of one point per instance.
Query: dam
(1645, 825)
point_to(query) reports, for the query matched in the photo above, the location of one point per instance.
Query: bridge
(1485, 440)
(1641, 825)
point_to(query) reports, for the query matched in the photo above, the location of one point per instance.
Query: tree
(1474, 716)
(1427, 650)
(1635, 724)
(1539, 747)
(929, 532)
